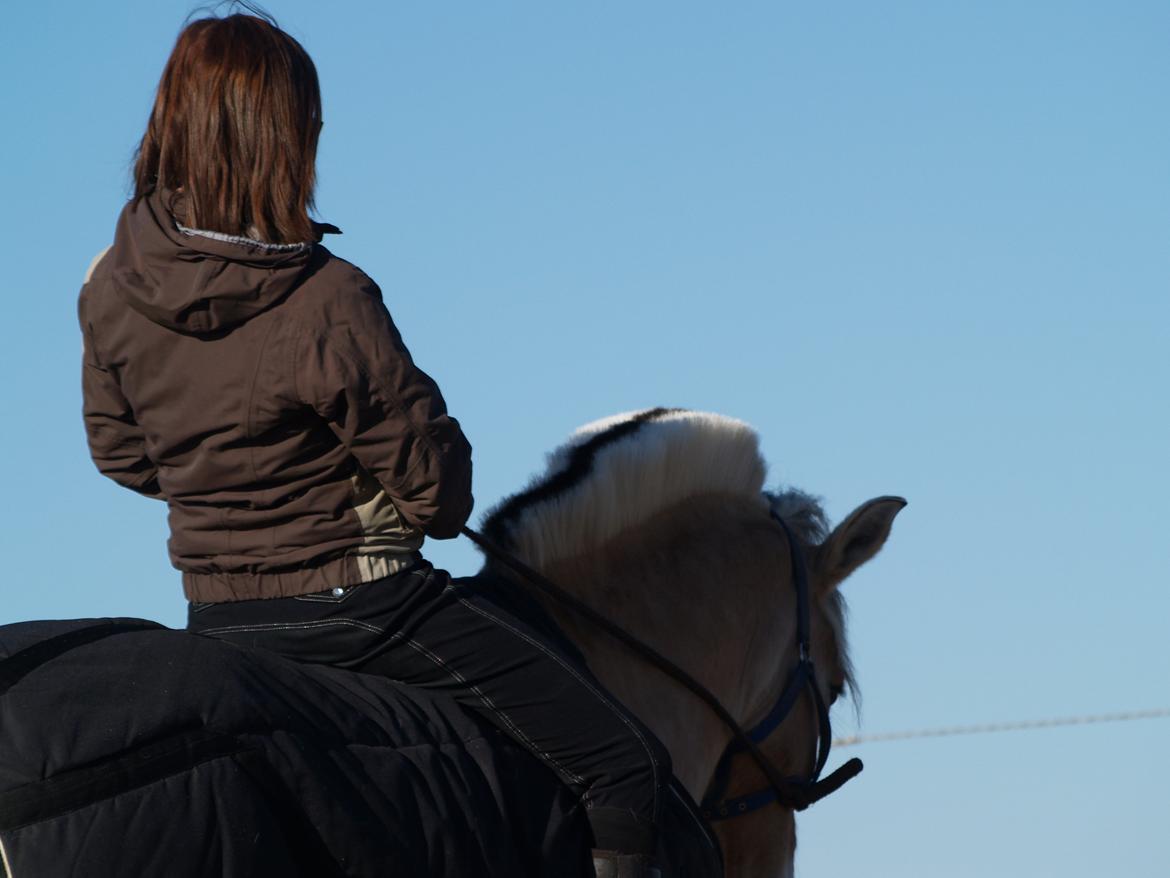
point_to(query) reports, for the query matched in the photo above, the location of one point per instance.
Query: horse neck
(698, 584)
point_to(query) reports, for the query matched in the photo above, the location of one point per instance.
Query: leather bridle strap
(796, 793)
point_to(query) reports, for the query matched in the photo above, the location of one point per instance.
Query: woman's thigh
(540, 694)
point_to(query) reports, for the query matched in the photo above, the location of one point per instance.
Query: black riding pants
(421, 628)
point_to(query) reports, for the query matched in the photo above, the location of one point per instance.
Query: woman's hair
(235, 125)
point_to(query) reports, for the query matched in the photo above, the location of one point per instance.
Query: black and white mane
(615, 474)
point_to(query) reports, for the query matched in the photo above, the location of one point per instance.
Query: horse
(657, 519)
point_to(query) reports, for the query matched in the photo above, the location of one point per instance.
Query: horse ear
(855, 540)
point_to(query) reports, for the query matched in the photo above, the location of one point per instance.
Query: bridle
(790, 792)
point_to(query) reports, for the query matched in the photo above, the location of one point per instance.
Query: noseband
(791, 792)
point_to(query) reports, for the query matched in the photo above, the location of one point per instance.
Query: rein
(791, 792)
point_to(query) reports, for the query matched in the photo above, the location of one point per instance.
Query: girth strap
(128, 770)
(17, 666)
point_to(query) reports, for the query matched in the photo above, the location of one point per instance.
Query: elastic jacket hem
(335, 573)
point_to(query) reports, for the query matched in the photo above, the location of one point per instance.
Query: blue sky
(921, 246)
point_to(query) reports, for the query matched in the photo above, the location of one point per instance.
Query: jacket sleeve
(357, 374)
(116, 442)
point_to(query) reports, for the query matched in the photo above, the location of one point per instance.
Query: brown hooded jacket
(264, 392)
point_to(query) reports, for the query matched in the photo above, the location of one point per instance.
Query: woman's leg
(420, 628)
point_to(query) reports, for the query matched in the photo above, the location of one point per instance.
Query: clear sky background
(923, 247)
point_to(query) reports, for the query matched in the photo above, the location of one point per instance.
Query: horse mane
(619, 472)
(615, 474)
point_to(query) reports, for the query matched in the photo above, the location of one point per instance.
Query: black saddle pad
(127, 748)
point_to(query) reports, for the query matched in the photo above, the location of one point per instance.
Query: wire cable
(987, 728)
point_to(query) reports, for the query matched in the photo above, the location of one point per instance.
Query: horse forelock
(615, 474)
(802, 513)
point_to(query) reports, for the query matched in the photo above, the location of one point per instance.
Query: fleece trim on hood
(198, 282)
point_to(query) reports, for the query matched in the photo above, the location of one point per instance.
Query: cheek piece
(791, 792)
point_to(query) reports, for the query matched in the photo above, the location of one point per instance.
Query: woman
(237, 369)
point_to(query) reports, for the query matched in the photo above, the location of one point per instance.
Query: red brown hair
(235, 125)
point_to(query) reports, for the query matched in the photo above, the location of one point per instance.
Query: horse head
(761, 841)
(659, 521)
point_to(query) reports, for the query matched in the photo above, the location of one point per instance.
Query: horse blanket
(127, 748)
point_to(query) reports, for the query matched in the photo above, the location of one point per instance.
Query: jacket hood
(199, 282)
